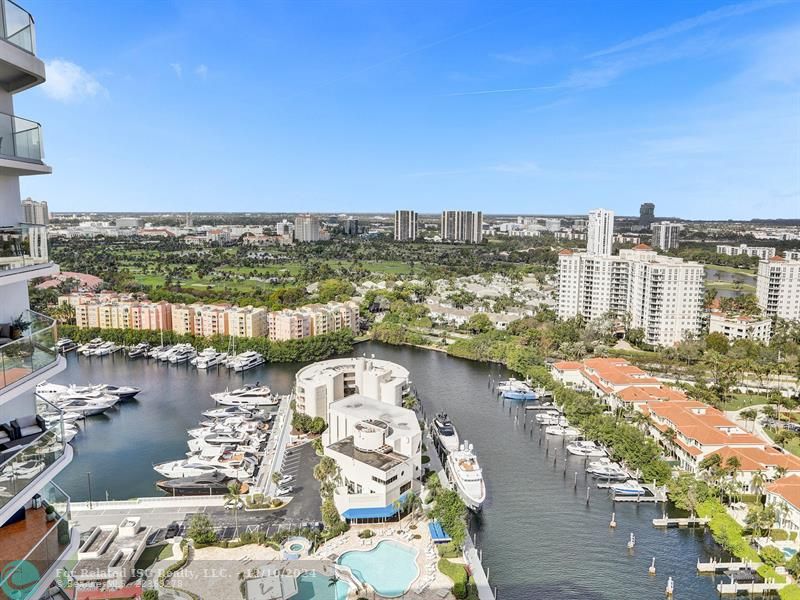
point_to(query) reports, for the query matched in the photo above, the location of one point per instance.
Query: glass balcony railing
(20, 138)
(33, 348)
(30, 548)
(22, 245)
(23, 464)
(18, 26)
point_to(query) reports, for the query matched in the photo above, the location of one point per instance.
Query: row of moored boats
(175, 354)
(225, 448)
(461, 464)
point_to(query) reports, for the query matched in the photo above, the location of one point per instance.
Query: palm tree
(749, 415)
(234, 496)
(757, 482)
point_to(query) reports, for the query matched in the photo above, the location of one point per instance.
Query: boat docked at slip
(550, 418)
(182, 354)
(123, 392)
(89, 347)
(155, 351)
(249, 395)
(86, 405)
(225, 460)
(139, 350)
(104, 349)
(585, 448)
(210, 484)
(466, 475)
(631, 487)
(64, 345)
(209, 358)
(246, 360)
(228, 411)
(514, 389)
(444, 432)
(561, 430)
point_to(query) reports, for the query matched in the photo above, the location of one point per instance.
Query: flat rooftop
(377, 460)
(402, 421)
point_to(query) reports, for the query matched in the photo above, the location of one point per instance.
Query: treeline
(307, 349)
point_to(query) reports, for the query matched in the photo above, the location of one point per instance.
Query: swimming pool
(390, 567)
(315, 586)
(789, 552)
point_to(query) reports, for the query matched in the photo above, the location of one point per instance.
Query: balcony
(23, 252)
(34, 543)
(21, 150)
(32, 352)
(19, 67)
(33, 458)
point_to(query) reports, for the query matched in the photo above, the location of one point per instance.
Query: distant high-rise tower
(350, 227)
(600, 232)
(647, 214)
(306, 228)
(35, 212)
(189, 222)
(665, 235)
(462, 226)
(405, 225)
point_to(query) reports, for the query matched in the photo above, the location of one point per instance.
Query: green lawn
(153, 554)
(734, 270)
(727, 285)
(741, 401)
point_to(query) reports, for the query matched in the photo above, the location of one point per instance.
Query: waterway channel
(540, 539)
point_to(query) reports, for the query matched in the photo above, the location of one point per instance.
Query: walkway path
(476, 568)
(276, 447)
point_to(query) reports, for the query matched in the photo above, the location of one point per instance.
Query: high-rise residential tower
(405, 225)
(778, 288)
(600, 232)
(462, 226)
(647, 214)
(35, 212)
(306, 228)
(666, 235)
(36, 535)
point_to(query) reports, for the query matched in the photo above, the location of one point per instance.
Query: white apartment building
(792, 255)
(740, 327)
(462, 226)
(666, 235)
(247, 321)
(600, 232)
(662, 295)
(312, 319)
(762, 252)
(778, 288)
(36, 535)
(405, 225)
(36, 212)
(306, 228)
(324, 382)
(378, 449)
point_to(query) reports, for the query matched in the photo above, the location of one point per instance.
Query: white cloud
(177, 68)
(68, 82)
(520, 168)
(201, 71)
(707, 18)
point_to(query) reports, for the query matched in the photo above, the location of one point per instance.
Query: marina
(534, 560)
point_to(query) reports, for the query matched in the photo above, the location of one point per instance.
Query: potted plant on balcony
(50, 513)
(18, 327)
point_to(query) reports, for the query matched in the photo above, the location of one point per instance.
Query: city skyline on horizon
(357, 106)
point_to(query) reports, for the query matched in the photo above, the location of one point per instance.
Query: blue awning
(377, 512)
(438, 534)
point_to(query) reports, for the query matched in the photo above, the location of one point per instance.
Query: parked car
(284, 491)
(286, 479)
(231, 504)
(173, 529)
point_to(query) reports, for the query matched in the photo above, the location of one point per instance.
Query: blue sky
(514, 107)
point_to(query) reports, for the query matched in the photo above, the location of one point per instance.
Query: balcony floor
(18, 539)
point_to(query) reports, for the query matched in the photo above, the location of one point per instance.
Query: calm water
(540, 539)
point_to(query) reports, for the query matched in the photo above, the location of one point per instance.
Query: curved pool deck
(390, 567)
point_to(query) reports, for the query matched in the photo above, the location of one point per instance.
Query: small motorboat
(65, 345)
(631, 487)
(585, 448)
(513, 389)
(123, 392)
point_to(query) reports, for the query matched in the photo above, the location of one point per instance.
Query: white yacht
(209, 358)
(258, 395)
(105, 349)
(549, 419)
(155, 351)
(70, 431)
(123, 392)
(89, 347)
(166, 352)
(223, 459)
(50, 391)
(86, 407)
(182, 354)
(444, 432)
(466, 475)
(228, 411)
(139, 350)
(561, 430)
(631, 487)
(585, 448)
(247, 360)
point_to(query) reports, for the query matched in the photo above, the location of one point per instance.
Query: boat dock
(653, 494)
(668, 522)
(734, 589)
(715, 566)
(540, 407)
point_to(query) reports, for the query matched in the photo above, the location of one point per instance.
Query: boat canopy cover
(438, 534)
(377, 512)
